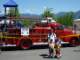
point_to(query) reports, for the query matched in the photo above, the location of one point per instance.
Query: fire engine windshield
(61, 27)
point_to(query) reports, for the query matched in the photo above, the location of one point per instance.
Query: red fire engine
(37, 35)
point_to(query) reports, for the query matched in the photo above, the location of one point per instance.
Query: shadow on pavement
(32, 48)
(46, 56)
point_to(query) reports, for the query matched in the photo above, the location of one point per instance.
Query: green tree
(17, 13)
(47, 13)
(67, 19)
(27, 22)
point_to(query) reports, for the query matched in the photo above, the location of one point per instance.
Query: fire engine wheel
(25, 45)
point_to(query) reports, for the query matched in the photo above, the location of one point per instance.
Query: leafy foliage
(27, 22)
(47, 13)
(67, 19)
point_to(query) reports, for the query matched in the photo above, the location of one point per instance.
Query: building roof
(10, 3)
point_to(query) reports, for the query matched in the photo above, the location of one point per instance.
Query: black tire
(25, 44)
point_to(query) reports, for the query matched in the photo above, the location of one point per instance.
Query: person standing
(57, 47)
(51, 43)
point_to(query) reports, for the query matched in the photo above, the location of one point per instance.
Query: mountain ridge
(76, 15)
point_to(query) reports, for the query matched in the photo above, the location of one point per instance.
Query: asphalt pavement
(68, 53)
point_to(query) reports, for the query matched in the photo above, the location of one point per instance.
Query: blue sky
(38, 6)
